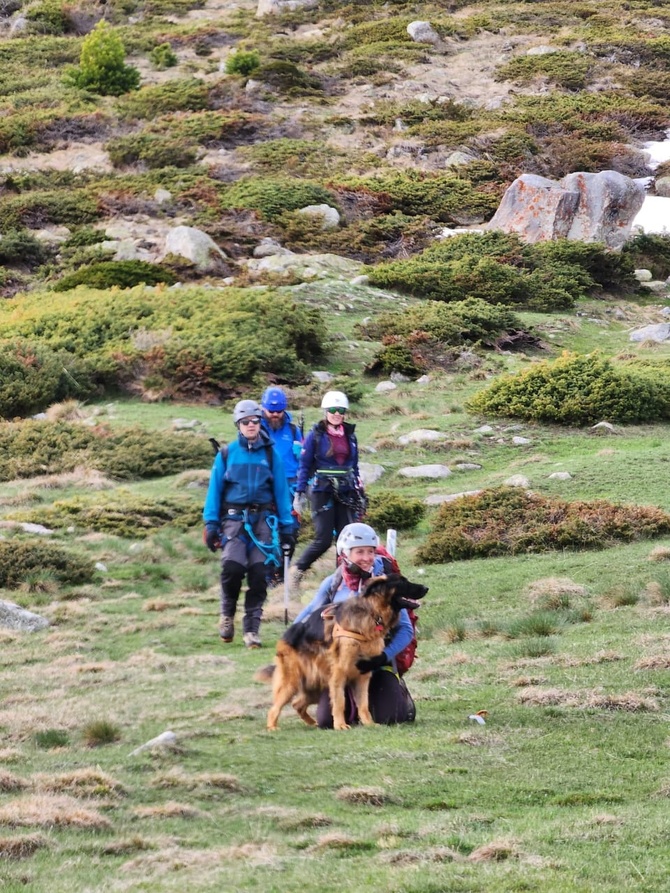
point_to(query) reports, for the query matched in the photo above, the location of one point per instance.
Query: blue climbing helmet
(274, 400)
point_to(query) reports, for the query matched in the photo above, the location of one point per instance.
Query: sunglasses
(333, 409)
(252, 421)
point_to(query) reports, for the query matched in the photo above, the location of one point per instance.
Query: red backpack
(405, 659)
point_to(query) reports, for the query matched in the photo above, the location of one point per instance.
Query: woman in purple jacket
(330, 457)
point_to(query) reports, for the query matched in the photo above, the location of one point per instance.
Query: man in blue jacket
(247, 514)
(287, 437)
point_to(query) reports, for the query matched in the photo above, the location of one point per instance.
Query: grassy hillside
(565, 786)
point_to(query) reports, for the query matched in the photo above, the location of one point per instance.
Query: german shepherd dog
(321, 653)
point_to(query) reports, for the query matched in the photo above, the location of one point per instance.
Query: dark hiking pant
(232, 577)
(390, 703)
(329, 517)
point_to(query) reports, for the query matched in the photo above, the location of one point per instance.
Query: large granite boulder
(194, 245)
(584, 207)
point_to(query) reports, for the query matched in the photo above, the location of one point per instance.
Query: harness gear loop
(272, 550)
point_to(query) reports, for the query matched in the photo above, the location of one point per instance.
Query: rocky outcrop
(584, 207)
(274, 7)
(196, 246)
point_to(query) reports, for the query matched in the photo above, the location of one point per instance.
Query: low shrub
(116, 273)
(499, 268)
(243, 62)
(577, 390)
(511, 521)
(565, 69)
(39, 208)
(648, 252)
(21, 247)
(153, 150)
(123, 515)
(287, 78)
(99, 732)
(210, 342)
(46, 17)
(30, 377)
(18, 560)
(442, 197)
(163, 56)
(40, 447)
(388, 509)
(184, 94)
(273, 196)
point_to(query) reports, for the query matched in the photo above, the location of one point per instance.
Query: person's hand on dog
(212, 536)
(367, 665)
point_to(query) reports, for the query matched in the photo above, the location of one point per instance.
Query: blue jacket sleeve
(402, 635)
(281, 493)
(306, 462)
(212, 509)
(320, 600)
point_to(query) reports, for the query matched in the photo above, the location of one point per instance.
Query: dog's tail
(265, 674)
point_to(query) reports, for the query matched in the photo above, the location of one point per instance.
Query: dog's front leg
(336, 686)
(361, 693)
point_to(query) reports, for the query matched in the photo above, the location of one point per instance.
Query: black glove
(367, 665)
(287, 541)
(212, 536)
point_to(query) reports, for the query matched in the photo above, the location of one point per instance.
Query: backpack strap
(267, 447)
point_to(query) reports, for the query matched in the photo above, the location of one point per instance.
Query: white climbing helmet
(357, 534)
(334, 398)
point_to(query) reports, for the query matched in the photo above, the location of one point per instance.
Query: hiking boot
(227, 629)
(294, 578)
(252, 640)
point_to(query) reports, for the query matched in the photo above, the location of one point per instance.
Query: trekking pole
(287, 562)
(391, 539)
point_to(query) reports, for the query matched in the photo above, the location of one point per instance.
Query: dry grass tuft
(413, 857)
(51, 811)
(303, 823)
(655, 593)
(363, 796)
(170, 810)
(629, 702)
(658, 662)
(659, 553)
(156, 604)
(127, 845)
(87, 478)
(526, 681)
(335, 842)
(66, 411)
(80, 783)
(10, 783)
(664, 790)
(175, 778)
(554, 593)
(536, 696)
(169, 860)
(21, 847)
(9, 754)
(496, 851)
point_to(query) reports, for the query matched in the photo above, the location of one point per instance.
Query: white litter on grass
(165, 739)
(477, 718)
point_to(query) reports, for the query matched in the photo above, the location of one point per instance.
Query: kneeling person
(389, 700)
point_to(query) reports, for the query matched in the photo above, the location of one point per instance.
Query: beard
(275, 422)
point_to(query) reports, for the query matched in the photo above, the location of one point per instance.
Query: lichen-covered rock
(582, 206)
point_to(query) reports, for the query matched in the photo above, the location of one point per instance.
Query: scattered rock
(423, 379)
(542, 50)
(440, 498)
(659, 333)
(467, 466)
(162, 196)
(399, 378)
(421, 435)
(643, 275)
(308, 266)
(370, 473)
(322, 377)
(384, 386)
(520, 441)
(27, 527)
(194, 245)
(560, 476)
(425, 471)
(276, 7)
(486, 430)
(328, 217)
(185, 424)
(423, 32)
(360, 280)
(517, 480)
(16, 618)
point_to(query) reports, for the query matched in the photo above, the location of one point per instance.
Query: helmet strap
(357, 571)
